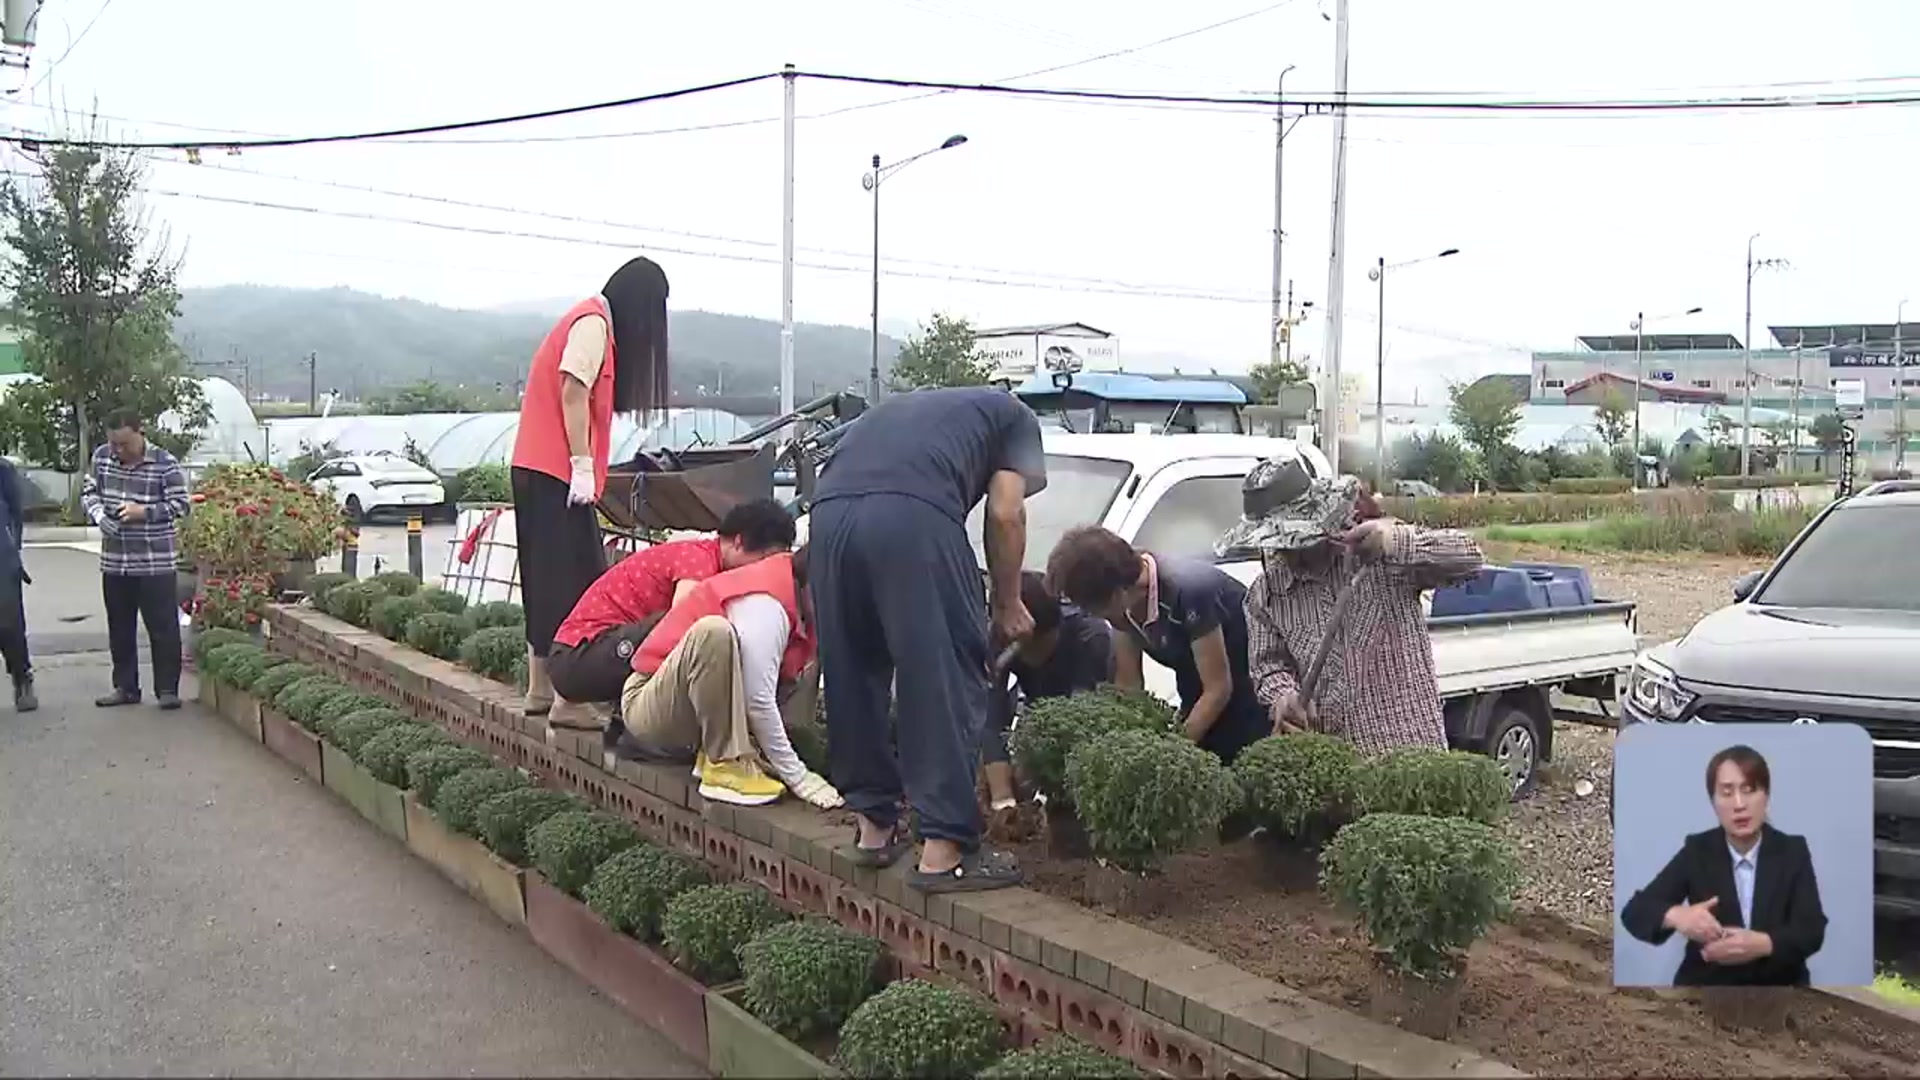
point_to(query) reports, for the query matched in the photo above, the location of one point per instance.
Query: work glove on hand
(815, 790)
(580, 487)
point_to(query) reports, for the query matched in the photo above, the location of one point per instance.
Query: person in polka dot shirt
(593, 649)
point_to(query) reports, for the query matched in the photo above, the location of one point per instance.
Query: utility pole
(1746, 387)
(1899, 390)
(1337, 255)
(1794, 425)
(1288, 325)
(313, 383)
(1281, 128)
(786, 254)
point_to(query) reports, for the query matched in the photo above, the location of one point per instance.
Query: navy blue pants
(900, 600)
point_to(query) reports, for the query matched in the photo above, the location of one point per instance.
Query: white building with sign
(1015, 353)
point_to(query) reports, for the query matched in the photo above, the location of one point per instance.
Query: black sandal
(899, 842)
(977, 871)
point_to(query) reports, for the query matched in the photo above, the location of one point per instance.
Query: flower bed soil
(1538, 994)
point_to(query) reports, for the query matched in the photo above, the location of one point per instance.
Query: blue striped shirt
(136, 548)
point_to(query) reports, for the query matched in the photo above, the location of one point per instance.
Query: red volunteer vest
(772, 575)
(540, 443)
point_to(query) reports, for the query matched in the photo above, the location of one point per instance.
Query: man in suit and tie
(1743, 895)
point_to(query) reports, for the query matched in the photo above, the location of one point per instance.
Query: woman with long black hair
(607, 355)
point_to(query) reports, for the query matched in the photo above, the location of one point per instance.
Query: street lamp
(1378, 275)
(1640, 376)
(871, 182)
(1899, 391)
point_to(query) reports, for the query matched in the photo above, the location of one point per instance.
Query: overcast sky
(1565, 225)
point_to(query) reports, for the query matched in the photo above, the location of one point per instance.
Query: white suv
(367, 485)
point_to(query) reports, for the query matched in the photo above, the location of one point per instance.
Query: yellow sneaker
(742, 783)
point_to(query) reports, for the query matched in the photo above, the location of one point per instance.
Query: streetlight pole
(871, 181)
(1281, 129)
(1640, 377)
(1379, 276)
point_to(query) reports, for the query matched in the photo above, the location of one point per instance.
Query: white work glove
(814, 789)
(580, 487)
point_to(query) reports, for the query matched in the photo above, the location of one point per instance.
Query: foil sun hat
(1286, 506)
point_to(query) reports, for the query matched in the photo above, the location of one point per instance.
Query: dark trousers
(596, 669)
(560, 553)
(152, 599)
(13, 630)
(900, 601)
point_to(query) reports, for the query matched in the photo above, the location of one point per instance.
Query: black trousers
(597, 668)
(131, 600)
(559, 550)
(901, 602)
(13, 629)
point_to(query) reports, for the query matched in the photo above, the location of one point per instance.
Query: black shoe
(118, 698)
(168, 702)
(24, 699)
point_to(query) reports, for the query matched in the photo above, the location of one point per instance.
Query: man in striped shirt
(136, 494)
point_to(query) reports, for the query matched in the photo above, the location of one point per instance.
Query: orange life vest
(772, 575)
(540, 442)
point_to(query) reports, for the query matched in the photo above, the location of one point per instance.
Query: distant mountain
(363, 343)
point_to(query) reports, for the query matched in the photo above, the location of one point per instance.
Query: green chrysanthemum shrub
(391, 616)
(703, 928)
(1143, 796)
(917, 1029)
(1425, 888)
(385, 754)
(497, 613)
(457, 803)
(567, 848)
(242, 670)
(432, 766)
(302, 701)
(805, 978)
(495, 651)
(1053, 727)
(1436, 783)
(438, 634)
(350, 731)
(1299, 785)
(319, 585)
(353, 601)
(447, 603)
(1062, 1057)
(213, 637)
(505, 819)
(278, 677)
(396, 583)
(631, 890)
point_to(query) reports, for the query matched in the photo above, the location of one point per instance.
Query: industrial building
(1805, 371)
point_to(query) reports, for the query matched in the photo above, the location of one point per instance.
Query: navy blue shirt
(1197, 598)
(1082, 659)
(13, 509)
(939, 446)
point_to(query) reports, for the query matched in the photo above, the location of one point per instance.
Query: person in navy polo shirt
(897, 589)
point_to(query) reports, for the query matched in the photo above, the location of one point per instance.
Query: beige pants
(695, 701)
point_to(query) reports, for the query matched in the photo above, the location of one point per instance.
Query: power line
(640, 228)
(428, 129)
(1265, 103)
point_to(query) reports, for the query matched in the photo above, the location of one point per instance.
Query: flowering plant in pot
(250, 523)
(1425, 888)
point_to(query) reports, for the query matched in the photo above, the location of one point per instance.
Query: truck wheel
(1513, 742)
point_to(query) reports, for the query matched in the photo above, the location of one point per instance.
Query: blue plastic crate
(1519, 587)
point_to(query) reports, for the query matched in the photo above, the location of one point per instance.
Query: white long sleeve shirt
(761, 627)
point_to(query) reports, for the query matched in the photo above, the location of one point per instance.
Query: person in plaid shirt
(1316, 538)
(136, 494)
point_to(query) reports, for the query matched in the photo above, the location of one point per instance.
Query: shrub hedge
(385, 754)
(396, 583)
(458, 802)
(1425, 888)
(319, 585)
(1145, 795)
(805, 978)
(1052, 727)
(438, 634)
(352, 601)
(497, 613)
(391, 616)
(505, 819)
(567, 847)
(918, 1029)
(1294, 782)
(430, 767)
(495, 651)
(631, 889)
(278, 677)
(350, 731)
(1436, 783)
(1061, 1057)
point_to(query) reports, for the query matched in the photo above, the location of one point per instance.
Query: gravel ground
(1565, 839)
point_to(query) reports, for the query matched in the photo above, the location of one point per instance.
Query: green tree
(1613, 417)
(941, 354)
(1438, 459)
(1829, 432)
(94, 301)
(427, 396)
(1487, 413)
(1274, 376)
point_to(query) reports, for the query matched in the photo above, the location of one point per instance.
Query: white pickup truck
(1177, 494)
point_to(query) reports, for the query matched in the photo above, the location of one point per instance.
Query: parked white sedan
(368, 485)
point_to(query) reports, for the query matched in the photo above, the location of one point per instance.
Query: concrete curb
(61, 534)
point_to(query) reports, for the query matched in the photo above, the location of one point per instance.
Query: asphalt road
(176, 900)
